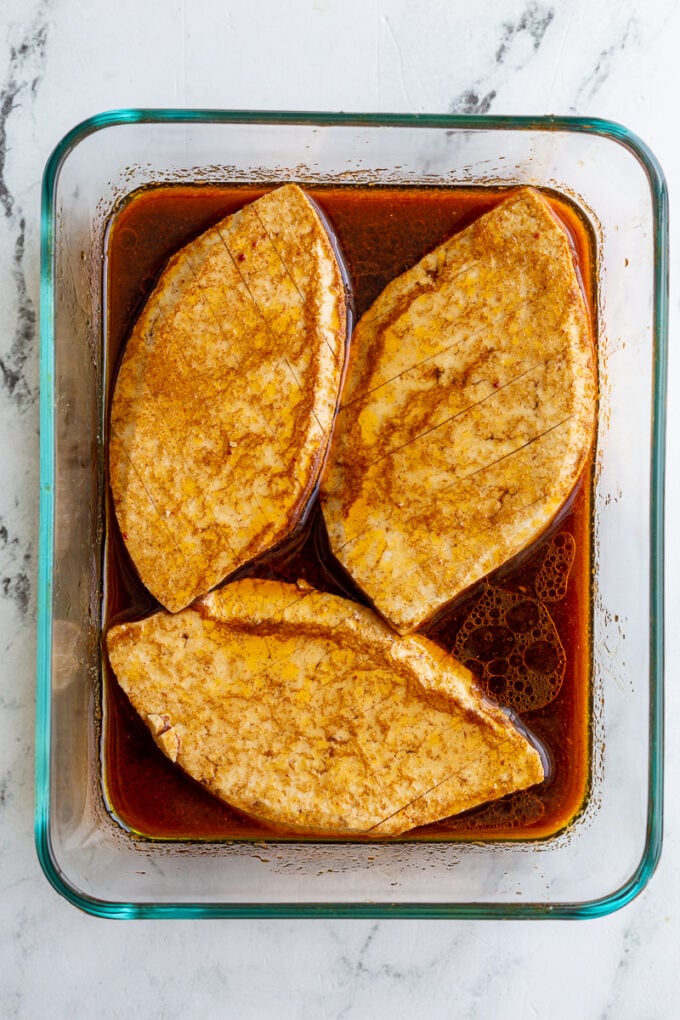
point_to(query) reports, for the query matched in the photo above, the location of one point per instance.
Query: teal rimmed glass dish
(608, 853)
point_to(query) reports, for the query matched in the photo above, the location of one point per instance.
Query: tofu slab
(226, 394)
(467, 414)
(306, 710)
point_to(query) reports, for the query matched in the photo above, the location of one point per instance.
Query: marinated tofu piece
(307, 711)
(467, 414)
(226, 394)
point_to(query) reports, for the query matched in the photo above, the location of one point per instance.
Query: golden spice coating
(305, 710)
(226, 394)
(467, 414)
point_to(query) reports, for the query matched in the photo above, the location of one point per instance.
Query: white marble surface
(63, 60)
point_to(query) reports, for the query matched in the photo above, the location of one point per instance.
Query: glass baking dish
(609, 851)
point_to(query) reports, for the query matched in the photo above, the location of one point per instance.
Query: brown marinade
(524, 630)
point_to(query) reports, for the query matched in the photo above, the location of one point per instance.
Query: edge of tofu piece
(306, 710)
(467, 413)
(226, 396)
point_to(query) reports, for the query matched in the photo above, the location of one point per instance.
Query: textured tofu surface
(305, 710)
(226, 395)
(467, 413)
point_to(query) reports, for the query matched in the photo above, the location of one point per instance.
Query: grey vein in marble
(15, 582)
(25, 69)
(532, 24)
(470, 101)
(628, 37)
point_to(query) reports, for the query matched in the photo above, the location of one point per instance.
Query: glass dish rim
(654, 825)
